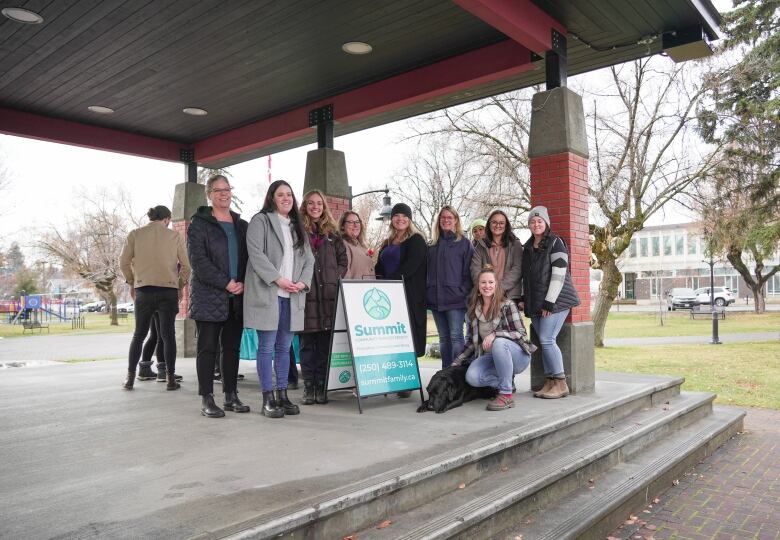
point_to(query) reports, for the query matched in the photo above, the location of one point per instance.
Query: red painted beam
(520, 20)
(495, 62)
(23, 124)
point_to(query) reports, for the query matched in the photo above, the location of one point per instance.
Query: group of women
(279, 275)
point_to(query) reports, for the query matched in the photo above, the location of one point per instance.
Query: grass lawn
(632, 325)
(95, 323)
(746, 374)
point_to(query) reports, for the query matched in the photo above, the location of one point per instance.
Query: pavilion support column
(187, 197)
(326, 168)
(558, 152)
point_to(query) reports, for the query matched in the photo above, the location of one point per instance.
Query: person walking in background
(548, 296)
(449, 282)
(477, 229)
(154, 263)
(216, 243)
(330, 264)
(503, 251)
(279, 272)
(360, 264)
(497, 341)
(403, 256)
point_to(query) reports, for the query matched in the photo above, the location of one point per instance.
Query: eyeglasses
(498, 224)
(222, 190)
(446, 218)
(352, 222)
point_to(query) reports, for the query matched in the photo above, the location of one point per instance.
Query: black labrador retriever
(448, 389)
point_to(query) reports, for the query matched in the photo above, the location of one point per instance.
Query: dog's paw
(423, 407)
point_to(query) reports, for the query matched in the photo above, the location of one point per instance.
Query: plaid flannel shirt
(508, 325)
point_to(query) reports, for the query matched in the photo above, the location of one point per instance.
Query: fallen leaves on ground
(461, 486)
(384, 524)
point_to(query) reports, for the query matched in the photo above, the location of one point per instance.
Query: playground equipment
(41, 308)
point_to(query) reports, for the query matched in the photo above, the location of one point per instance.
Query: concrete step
(362, 504)
(593, 512)
(495, 501)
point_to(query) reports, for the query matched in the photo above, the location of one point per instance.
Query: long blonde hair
(475, 300)
(326, 222)
(408, 233)
(361, 239)
(437, 232)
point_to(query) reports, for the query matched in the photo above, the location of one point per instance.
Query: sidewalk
(681, 340)
(734, 494)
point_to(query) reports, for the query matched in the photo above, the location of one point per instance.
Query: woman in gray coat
(278, 276)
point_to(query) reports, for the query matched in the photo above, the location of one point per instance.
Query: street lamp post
(715, 339)
(387, 206)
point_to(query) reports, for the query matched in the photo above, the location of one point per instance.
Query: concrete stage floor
(82, 458)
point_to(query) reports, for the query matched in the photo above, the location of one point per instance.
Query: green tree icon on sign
(376, 303)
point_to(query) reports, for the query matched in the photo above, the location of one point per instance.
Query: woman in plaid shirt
(496, 339)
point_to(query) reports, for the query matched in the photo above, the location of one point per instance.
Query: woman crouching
(497, 340)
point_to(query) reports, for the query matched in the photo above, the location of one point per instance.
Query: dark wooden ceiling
(248, 60)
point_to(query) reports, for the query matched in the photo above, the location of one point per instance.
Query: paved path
(64, 347)
(645, 308)
(672, 340)
(732, 495)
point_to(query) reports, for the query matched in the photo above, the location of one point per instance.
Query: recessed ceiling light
(100, 109)
(356, 47)
(194, 111)
(22, 15)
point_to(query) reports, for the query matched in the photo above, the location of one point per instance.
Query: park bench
(706, 312)
(121, 315)
(32, 326)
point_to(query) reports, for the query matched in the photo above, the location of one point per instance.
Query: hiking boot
(548, 384)
(232, 403)
(171, 382)
(558, 390)
(320, 394)
(309, 396)
(145, 372)
(501, 402)
(129, 380)
(284, 402)
(161, 375)
(209, 409)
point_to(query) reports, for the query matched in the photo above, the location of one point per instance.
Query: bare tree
(91, 244)
(367, 207)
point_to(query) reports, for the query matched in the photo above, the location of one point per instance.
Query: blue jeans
(275, 343)
(449, 324)
(547, 328)
(498, 366)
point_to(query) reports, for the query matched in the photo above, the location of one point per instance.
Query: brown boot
(559, 389)
(548, 383)
(128, 384)
(172, 383)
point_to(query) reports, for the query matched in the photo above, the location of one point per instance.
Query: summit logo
(377, 304)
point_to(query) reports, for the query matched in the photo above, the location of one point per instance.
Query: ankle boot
(145, 372)
(548, 382)
(208, 408)
(320, 395)
(308, 393)
(172, 382)
(284, 402)
(162, 376)
(129, 380)
(232, 403)
(270, 408)
(558, 390)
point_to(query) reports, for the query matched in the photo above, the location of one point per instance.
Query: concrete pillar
(187, 197)
(558, 152)
(326, 170)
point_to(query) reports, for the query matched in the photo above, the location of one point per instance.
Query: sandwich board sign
(372, 349)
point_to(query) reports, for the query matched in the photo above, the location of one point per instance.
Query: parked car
(681, 298)
(94, 306)
(723, 296)
(127, 307)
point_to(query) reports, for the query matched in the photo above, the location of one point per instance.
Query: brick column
(558, 152)
(338, 205)
(326, 170)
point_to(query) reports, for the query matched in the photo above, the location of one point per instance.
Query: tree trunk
(759, 302)
(112, 307)
(610, 282)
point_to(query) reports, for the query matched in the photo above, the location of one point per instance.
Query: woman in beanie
(330, 264)
(477, 229)
(548, 296)
(403, 254)
(500, 249)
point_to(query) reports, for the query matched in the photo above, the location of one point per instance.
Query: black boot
(145, 372)
(172, 383)
(129, 380)
(161, 375)
(308, 393)
(270, 409)
(209, 408)
(320, 395)
(284, 402)
(232, 403)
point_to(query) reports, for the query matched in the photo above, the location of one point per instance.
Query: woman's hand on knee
(487, 343)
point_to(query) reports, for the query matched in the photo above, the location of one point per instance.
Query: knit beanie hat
(539, 211)
(401, 208)
(478, 223)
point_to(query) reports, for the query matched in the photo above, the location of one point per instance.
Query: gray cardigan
(265, 246)
(512, 268)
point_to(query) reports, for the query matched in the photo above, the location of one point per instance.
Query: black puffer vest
(537, 271)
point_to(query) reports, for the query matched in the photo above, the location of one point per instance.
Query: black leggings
(154, 344)
(165, 304)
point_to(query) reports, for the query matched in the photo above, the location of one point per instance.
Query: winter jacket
(512, 268)
(154, 255)
(508, 325)
(207, 246)
(413, 271)
(449, 273)
(546, 281)
(361, 265)
(265, 246)
(330, 264)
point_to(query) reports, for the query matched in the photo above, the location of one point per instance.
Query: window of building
(692, 241)
(732, 282)
(693, 282)
(679, 245)
(773, 285)
(667, 245)
(656, 243)
(643, 247)
(632, 248)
